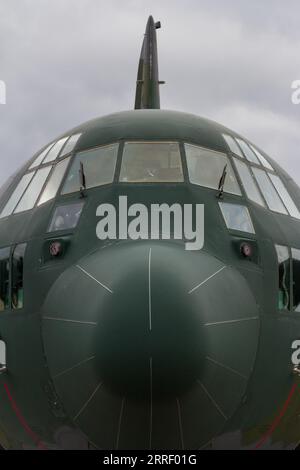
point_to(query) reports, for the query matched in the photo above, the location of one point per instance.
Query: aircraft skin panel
(142, 344)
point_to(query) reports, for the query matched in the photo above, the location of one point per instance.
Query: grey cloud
(65, 62)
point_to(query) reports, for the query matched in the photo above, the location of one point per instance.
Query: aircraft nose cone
(153, 337)
(149, 333)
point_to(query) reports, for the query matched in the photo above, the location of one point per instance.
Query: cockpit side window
(270, 185)
(32, 192)
(17, 194)
(296, 279)
(55, 150)
(66, 217)
(284, 277)
(248, 152)
(54, 181)
(269, 192)
(17, 287)
(70, 145)
(237, 217)
(39, 159)
(261, 158)
(4, 278)
(151, 162)
(206, 167)
(98, 166)
(232, 144)
(243, 149)
(248, 182)
(286, 198)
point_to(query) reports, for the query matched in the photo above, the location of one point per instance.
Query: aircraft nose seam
(94, 279)
(206, 280)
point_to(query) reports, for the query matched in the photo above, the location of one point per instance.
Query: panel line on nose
(88, 401)
(67, 320)
(226, 322)
(212, 400)
(120, 423)
(180, 423)
(230, 369)
(94, 279)
(206, 280)
(73, 367)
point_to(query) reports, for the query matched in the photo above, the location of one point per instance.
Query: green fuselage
(90, 366)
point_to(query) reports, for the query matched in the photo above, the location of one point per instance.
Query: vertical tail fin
(147, 87)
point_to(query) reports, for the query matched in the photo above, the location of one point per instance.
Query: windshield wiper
(82, 180)
(222, 183)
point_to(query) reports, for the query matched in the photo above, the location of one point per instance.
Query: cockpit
(246, 172)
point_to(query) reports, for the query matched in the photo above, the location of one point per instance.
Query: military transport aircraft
(120, 343)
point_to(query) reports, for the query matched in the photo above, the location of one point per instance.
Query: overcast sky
(65, 62)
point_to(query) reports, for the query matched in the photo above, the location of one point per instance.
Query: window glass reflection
(69, 147)
(16, 195)
(146, 162)
(270, 194)
(32, 193)
(248, 182)
(237, 217)
(206, 168)
(98, 166)
(233, 145)
(66, 217)
(248, 152)
(283, 193)
(261, 158)
(55, 150)
(41, 156)
(54, 181)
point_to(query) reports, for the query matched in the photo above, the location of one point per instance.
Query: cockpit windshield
(146, 162)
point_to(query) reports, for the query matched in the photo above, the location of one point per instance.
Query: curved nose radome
(150, 346)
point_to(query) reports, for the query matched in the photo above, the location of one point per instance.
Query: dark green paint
(163, 372)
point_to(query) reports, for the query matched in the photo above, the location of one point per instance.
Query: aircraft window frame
(41, 156)
(70, 144)
(236, 190)
(55, 179)
(68, 221)
(270, 194)
(250, 155)
(55, 151)
(127, 163)
(225, 208)
(249, 183)
(33, 190)
(70, 186)
(264, 162)
(17, 194)
(285, 196)
(233, 145)
(66, 149)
